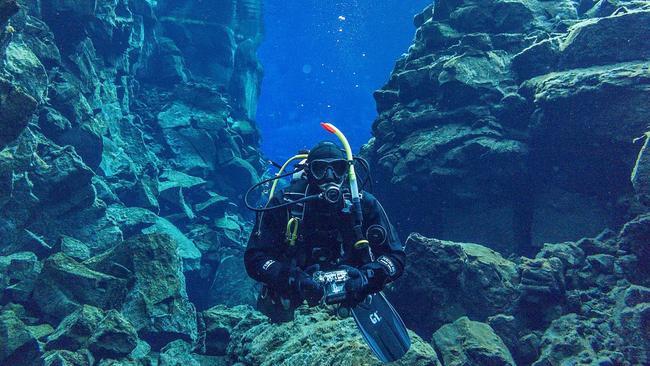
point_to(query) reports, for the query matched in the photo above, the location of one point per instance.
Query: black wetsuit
(325, 238)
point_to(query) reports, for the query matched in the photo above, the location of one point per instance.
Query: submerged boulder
(64, 285)
(17, 345)
(18, 274)
(16, 108)
(469, 343)
(453, 279)
(618, 38)
(314, 337)
(114, 337)
(156, 302)
(76, 329)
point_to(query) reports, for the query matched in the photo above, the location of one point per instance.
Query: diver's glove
(379, 273)
(305, 286)
(356, 287)
(369, 279)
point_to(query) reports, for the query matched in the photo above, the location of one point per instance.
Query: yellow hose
(275, 183)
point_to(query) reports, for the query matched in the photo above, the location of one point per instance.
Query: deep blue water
(322, 61)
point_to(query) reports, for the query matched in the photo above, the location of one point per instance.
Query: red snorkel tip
(328, 127)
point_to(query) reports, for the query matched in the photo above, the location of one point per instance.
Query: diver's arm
(389, 255)
(263, 257)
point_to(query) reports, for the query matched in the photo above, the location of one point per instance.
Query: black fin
(382, 328)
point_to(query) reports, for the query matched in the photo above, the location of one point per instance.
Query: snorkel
(361, 242)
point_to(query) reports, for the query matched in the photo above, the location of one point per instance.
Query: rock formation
(112, 126)
(511, 123)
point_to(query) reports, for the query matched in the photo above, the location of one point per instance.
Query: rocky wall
(511, 123)
(121, 118)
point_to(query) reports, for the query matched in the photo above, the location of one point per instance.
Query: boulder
(632, 322)
(74, 248)
(453, 279)
(27, 72)
(314, 338)
(541, 282)
(68, 358)
(538, 59)
(18, 273)
(17, 345)
(231, 286)
(64, 285)
(135, 221)
(469, 343)
(219, 322)
(156, 302)
(75, 330)
(634, 238)
(177, 352)
(16, 108)
(114, 337)
(574, 339)
(608, 40)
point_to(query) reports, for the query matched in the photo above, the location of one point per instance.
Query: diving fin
(382, 328)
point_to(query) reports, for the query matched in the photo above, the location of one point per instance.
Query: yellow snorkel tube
(361, 241)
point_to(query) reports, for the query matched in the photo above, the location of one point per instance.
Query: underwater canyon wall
(522, 126)
(514, 121)
(121, 118)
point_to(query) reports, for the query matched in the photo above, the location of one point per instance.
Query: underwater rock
(114, 337)
(177, 352)
(455, 279)
(542, 290)
(7, 9)
(67, 358)
(538, 59)
(632, 321)
(74, 248)
(634, 238)
(16, 108)
(573, 339)
(156, 301)
(220, 321)
(75, 330)
(134, 221)
(499, 158)
(245, 83)
(64, 285)
(608, 40)
(470, 343)
(18, 274)
(26, 70)
(17, 345)
(230, 285)
(314, 337)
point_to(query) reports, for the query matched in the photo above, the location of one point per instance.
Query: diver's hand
(305, 286)
(356, 287)
(377, 275)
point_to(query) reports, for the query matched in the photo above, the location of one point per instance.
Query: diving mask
(318, 168)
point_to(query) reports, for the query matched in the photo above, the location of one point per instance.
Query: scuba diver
(318, 224)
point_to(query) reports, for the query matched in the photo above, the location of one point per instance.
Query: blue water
(322, 61)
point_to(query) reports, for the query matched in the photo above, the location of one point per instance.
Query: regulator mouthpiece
(331, 193)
